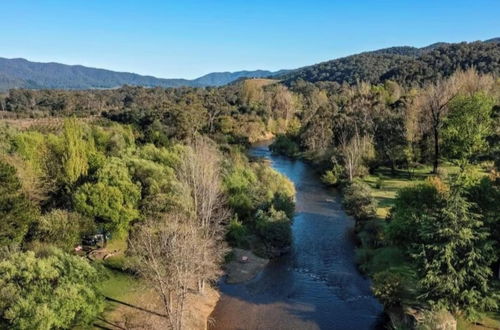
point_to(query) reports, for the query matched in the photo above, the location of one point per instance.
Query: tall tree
(199, 173)
(16, 211)
(467, 126)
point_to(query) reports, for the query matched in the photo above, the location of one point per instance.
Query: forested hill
(407, 65)
(21, 73)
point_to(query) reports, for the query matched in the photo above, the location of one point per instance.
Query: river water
(316, 285)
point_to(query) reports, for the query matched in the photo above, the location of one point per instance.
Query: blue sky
(188, 38)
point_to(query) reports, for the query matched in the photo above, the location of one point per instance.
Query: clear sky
(187, 38)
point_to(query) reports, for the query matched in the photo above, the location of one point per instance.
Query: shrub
(237, 234)
(283, 202)
(332, 177)
(358, 201)
(391, 286)
(285, 146)
(274, 227)
(63, 229)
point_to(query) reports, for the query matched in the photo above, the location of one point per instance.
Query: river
(317, 284)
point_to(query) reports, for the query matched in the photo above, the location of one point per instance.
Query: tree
(467, 126)
(435, 100)
(52, 290)
(16, 211)
(448, 244)
(354, 150)
(113, 199)
(167, 253)
(62, 228)
(74, 158)
(433, 103)
(199, 173)
(283, 103)
(390, 137)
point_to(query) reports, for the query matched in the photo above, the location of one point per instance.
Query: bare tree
(200, 174)
(354, 149)
(166, 255)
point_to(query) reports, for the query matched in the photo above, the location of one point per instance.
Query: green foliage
(283, 202)
(32, 146)
(410, 204)
(237, 234)
(332, 177)
(393, 286)
(63, 229)
(114, 140)
(263, 201)
(467, 126)
(448, 244)
(49, 291)
(16, 211)
(274, 227)
(239, 184)
(107, 204)
(284, 145)
(75, 158)
(113, 199)
(485, 197)
(358, 201)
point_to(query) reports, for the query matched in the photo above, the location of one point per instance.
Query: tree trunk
(436, 150)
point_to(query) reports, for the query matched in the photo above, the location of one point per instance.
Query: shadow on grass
(135, 307)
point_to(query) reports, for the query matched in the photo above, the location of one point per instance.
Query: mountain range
(397, 63)
(21, 73)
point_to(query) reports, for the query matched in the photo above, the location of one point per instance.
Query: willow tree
(75, 154)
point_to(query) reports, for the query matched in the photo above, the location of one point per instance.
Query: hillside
(407, 65)
(21, 73)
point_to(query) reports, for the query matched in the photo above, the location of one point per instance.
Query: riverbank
(244, 266)
(131, 304)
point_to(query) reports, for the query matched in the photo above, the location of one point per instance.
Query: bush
(63, 229)
(358, 201)
(332, 177)
(285, 146)
(391, 286)
(237, 234)
(282, 202)
(274, 227)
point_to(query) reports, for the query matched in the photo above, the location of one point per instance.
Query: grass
(385, 184)
(489, 321)
(120, 285)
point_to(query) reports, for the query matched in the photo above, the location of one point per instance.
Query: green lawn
(391, 182)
